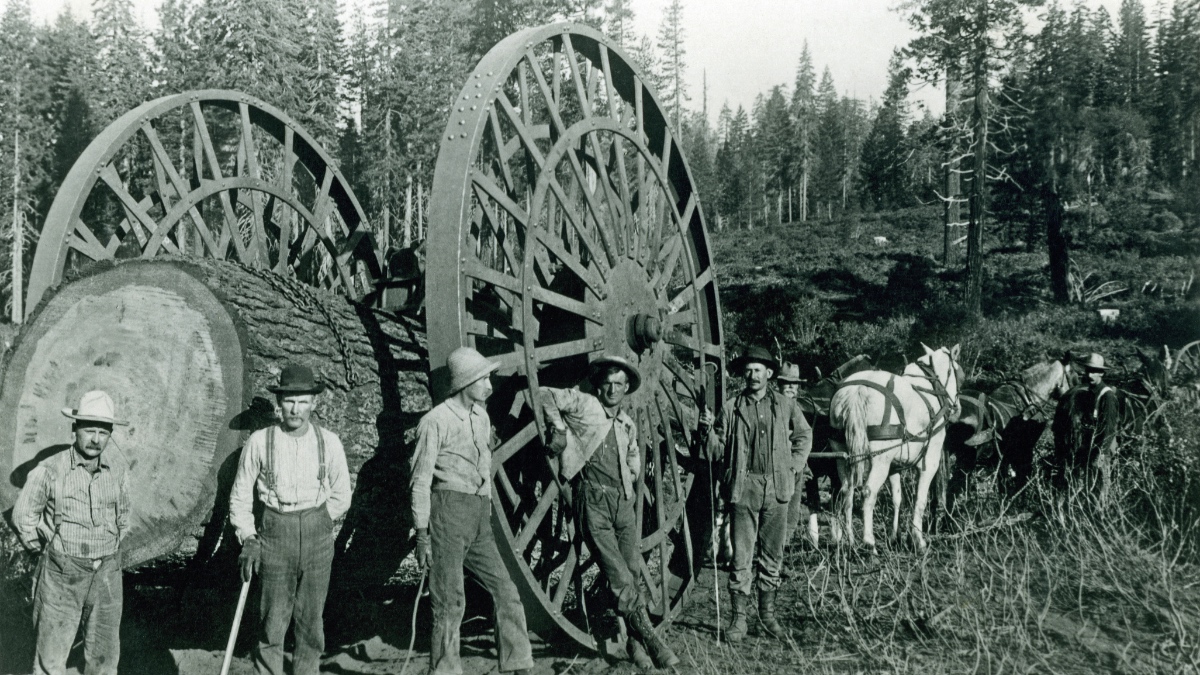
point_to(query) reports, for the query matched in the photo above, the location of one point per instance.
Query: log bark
(188, 347)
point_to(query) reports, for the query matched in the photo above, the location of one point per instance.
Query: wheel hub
(632, 319)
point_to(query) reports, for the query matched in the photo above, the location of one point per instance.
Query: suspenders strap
(271, 475)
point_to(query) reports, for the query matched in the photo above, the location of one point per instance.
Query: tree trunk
(950, 210)
(978, 198)
(187, 349)
(1056, 240)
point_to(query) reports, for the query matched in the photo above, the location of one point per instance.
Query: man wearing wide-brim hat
(806, 500)
(1085, 428)
(762, 440)
(596, 439)
(452, 506)
(74, 511)
(298, 472)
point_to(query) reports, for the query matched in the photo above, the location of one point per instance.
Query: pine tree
(804, 123)
(618, 22)
(122, 59)
(981, 35)
(885, 152)
(673, 65)
(1131, 56)
(829, 147)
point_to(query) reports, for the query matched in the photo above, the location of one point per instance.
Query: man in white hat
(452, 507)
(298, 472)
(596, 440)
(74, 510)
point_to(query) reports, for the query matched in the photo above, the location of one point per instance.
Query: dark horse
(1002, 426)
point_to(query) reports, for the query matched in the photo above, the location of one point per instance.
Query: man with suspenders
(74, 510)
(298, 471)
(1087, 447)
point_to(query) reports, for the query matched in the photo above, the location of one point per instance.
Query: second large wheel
(566, 224)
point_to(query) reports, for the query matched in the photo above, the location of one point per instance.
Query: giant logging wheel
(214, 174)
(565, 224)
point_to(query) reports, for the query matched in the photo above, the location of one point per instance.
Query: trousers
(65, 585)
(297, 555)
(799, 507)
(460, 535)
(759, 521)
(611, 530)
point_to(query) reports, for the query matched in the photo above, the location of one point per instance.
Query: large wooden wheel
(214, 174)
(565, 224)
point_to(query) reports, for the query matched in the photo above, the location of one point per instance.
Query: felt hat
(95, 406)
(754, 355)
(468, 366)
(789, 373)
(635, 378)
(297, 379)
(1094, 363)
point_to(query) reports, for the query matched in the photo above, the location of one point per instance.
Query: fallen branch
(1003, 521)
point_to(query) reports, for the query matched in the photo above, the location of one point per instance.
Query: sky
(744, 47)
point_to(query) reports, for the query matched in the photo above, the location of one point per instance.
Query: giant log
(187, 348)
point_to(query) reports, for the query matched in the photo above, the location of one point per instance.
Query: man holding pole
(762, 439)
(452, 511)
(74, 510)
(298, 471)
(596, 440)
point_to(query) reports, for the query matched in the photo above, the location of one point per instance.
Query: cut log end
(187, 348)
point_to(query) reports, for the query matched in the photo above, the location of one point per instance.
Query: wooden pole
(237, 622)
(18, 253)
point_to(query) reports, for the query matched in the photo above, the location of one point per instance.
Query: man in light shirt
(452, 511)
(74, 510)
(298, 471)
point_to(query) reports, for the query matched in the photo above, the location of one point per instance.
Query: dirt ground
(170, 630)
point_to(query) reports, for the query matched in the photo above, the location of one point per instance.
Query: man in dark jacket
(762, 440)
(1085, 429)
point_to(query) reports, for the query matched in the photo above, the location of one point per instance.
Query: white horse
(893, 422)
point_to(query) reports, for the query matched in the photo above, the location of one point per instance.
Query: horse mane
(1042, 375)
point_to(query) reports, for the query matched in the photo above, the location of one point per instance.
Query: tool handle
(237, 622)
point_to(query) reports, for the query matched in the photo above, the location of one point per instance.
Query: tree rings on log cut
(160, 343)
(188, 347)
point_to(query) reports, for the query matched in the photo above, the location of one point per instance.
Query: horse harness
(899, 432)
(998, 411)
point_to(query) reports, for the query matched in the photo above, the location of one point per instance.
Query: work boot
(637, 654)
(766, 613)
(737, 623)
(663, 655)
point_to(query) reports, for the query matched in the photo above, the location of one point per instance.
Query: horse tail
(848, 411)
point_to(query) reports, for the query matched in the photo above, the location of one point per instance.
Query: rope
(412, 638)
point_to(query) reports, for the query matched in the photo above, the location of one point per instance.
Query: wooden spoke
(214, 166)
(564, 580)
(530, 526)
(585, 200)
(594, 280)
(585, 101)
(510, 447)
(564, 303)
(681, 298)
(515, 361)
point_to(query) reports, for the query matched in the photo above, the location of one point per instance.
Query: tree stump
(187, 348)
